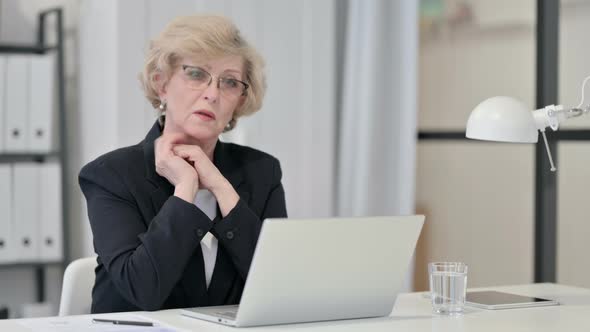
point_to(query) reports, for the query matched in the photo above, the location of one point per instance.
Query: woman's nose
(211, 93)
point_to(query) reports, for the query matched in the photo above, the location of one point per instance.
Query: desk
(412, 312)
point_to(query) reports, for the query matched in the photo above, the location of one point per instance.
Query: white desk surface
(412, 312)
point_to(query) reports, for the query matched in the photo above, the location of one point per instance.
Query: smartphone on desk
(494, 300)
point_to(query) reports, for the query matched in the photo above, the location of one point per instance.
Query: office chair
(76, 292)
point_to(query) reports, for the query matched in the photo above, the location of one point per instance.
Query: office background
(350, 85)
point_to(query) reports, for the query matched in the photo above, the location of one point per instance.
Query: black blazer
(148, 241)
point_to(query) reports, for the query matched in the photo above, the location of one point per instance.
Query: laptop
(309, 270)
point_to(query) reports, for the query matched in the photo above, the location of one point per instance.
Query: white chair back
(76, 292)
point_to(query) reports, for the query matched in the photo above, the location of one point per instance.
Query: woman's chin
(202, 133)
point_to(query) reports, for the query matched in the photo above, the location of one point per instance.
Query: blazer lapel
(162, 189)
(224, 161)
(230, 168)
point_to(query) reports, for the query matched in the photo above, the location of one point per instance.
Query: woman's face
(201, 97)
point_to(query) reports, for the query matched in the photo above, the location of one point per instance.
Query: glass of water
(448, 283)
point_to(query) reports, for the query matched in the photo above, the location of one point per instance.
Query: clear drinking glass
(448, 283)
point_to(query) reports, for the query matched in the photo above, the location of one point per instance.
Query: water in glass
(447, 289)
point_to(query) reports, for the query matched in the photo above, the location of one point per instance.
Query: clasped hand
(187, 167)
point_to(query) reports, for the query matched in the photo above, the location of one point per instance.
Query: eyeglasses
(199, 79)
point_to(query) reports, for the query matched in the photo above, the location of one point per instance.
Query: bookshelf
(60, 155)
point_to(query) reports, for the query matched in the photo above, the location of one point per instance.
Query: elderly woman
(175, 218)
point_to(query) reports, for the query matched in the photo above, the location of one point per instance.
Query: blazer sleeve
(238, 232)
(143, 262)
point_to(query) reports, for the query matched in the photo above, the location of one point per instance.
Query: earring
(228, 127)
(163, 106)
(162, 117)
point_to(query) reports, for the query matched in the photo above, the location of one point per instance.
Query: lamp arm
(551, 116)
(576, 111)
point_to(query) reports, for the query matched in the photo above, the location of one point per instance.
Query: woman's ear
(241, 102)
(161, 85)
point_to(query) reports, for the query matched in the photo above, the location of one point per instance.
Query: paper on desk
(84, 323)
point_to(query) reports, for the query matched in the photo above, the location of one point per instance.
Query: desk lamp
(506, 119)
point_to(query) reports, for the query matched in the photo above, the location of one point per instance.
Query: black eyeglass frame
(246, 85)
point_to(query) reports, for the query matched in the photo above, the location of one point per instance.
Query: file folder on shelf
(42, 131)
(50, 212)
(25, 211)
(6, 239)
(16, 105)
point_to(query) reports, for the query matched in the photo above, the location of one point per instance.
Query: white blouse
(208, 204)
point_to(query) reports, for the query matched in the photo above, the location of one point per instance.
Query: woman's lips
(205, 115)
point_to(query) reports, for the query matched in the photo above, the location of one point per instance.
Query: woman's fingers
(174, 167)
(209, 175)
(193, 151)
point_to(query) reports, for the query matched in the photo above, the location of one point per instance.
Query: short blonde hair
(204, 36)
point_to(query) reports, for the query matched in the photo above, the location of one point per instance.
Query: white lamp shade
(502, 119)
